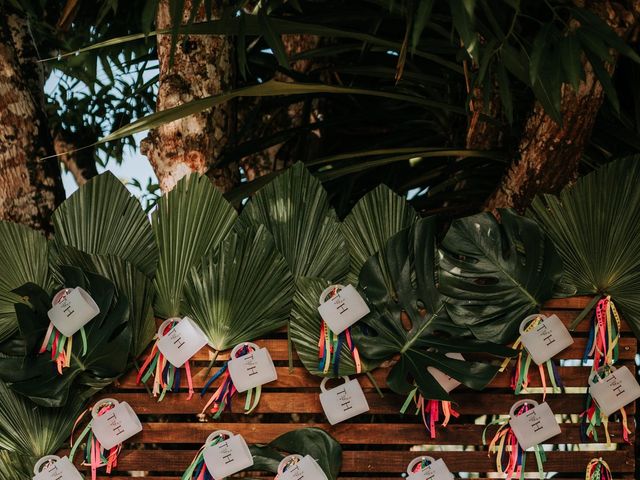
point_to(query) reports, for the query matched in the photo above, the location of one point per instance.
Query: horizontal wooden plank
(302, 402)
(389, 462)
(349, 433)
(279, 352)
(301, 378)
(569, 303)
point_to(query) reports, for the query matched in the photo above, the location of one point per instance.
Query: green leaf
(108, 344)
(304, 329)
(495, 274)
(294, 208)
(604, 78)
(273, 38)
(267, 89)
(23, 259)
(103, 218)
(133, 285)
(571, 60)
(538, 51)
(305, 441)
(27, 432)
(190, 221)
(595, 225)
(422, 15)
(410, 319)
(378, 216)
(241, 291)
(462, 12)
(148, 15)
(593, 44)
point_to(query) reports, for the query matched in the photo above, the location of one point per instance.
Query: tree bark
(203, 65)
(30, 184)
(80, 163)
(549, 153)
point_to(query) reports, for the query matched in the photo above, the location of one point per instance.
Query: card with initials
(436, 470)
(344, 401)
(116, 425)
(297, 467)
(534, 426)
(182, 342)
(615, 391)
(252, 369)
(53, 467)
(548, 338)
(446, 382)
(231, 455)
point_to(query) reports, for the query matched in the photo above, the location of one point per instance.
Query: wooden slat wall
(376, 445)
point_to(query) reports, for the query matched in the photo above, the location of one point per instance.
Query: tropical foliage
(108, 340)
(495, 273)
(595, 225)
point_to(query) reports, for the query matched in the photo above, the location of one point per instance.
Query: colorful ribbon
(330, 347)
(510, 457)
(598, 469)
(61, 346)
(197, 470)
(431, 411)
(166, 377)
(221, 399)
(603, 348)
(94, 454)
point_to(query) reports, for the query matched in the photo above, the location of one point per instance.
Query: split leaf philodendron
(495, 273)
(189, 221)
(108, 340)
(409, 318)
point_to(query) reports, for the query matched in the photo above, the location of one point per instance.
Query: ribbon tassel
(330, 347)
(61, 347)
(221, 398)
(166, 377)
(598, 469)
(94, 455)
(197, 469)
(510, 457)
(431, 411)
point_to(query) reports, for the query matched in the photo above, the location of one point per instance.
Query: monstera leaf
(240, 291)
(190, 220)
(130, 282)
(305, 441)
(108, 342)
(103, 218)
(28, 432)
(304, 328)
(295, 210)
(23, 259)
(595, 225)
(496, 273)
(376, 217)
(409, 321)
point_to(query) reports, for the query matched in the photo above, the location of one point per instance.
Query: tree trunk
(80, 163)
(203, 65)
(549, 153)
(30, 184)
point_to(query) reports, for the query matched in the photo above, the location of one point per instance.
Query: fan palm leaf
(130, 283)
(189, 221)
(23, 259)
(378, 215)
(496, 273)
(29, 432)
(103, 218)
(294, 208)
(595, 225)
(240, 291)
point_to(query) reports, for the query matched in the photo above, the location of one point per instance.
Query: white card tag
(227, 457)
(342, 310)
(614, 391)
(53, 467)
(252, 369)
(116, 425)
(546, 339)
(344, 401)
(534, 426)
(297, 467)
(72, 309)
(436, 470)
(446, 382)
(182, 342)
